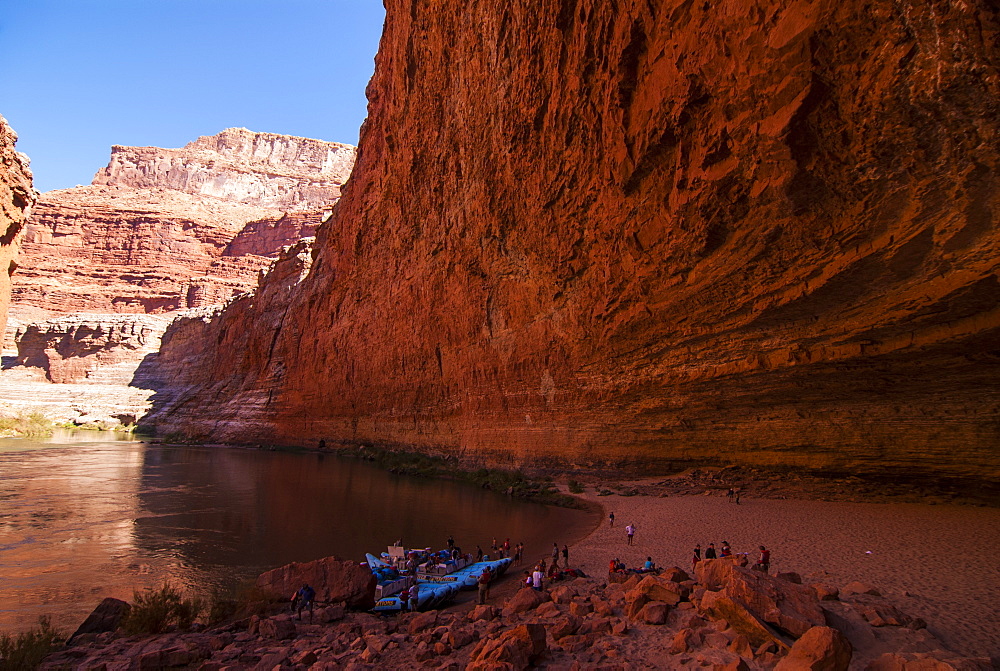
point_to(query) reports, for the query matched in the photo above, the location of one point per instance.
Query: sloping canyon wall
(17, 196)
(644, 233)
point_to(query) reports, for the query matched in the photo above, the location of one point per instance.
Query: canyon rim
(644, 235)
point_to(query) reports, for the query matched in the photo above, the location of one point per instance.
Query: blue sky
(77, 76)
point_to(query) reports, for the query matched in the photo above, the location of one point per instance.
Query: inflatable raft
(436, 581)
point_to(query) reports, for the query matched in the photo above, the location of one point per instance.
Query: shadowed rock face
(646, 233)
(17, 196)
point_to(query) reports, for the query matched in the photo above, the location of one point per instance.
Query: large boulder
(332, 578)
(107, 616)
(526, 599)
(819, 649)
(719, 606)
(661, 589)
(789, 607)
(515, 649)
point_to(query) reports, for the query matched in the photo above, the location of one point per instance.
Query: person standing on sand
(611, 517)
(697, 556)
(555, 555)
(737, 497)
(484, 586)
(710, 552)
(565, 553)
(630, 532)
(730, 494)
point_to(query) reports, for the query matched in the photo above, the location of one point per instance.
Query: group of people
(762, 564)
(618, 566)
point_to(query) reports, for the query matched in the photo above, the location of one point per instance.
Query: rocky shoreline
(723, 617)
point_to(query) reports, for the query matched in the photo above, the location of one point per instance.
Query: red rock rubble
(562, 632)
(650, 233)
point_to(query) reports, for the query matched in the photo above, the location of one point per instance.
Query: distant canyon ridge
(168, 229)
(635, 236)
(104, 268)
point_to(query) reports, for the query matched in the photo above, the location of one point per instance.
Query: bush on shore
(155, 610)
(27, 649)
(30, 425)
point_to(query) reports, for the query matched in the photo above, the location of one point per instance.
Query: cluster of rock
(728, 619)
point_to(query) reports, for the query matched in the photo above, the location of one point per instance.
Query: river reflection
(81, 519)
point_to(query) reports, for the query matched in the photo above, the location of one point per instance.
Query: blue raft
(436, 583)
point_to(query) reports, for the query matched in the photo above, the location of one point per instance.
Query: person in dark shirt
(710, 552)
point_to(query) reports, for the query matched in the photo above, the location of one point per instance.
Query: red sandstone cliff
(646, 233)
(169, 229)
(16, 199)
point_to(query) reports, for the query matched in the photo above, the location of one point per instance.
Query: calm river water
(84, 516)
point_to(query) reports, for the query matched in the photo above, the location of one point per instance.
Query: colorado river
(83, 516)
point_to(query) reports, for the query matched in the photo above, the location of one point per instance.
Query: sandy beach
(935, 562)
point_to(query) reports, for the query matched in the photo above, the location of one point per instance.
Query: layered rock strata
(645, 234)
(104, 367)
(17, 196)
(170, 229)
(280, 172)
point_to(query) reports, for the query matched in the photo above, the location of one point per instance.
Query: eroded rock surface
(17, 196)
(646, 233)
(162, 230)
(279, 172)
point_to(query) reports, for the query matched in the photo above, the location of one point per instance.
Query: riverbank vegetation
(512, 483)
(154, 610)
(27, 425)
(27, 649)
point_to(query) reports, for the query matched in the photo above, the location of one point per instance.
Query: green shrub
(31, 425)
(27, 650)
(575, 487)
(154, 610)
(243, 602)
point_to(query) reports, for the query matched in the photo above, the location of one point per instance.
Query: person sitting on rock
(726, 550)
(764, 562)
(537, 577)
(649, 565)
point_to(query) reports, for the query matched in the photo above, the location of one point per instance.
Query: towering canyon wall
(170, 229)
(646, 233)
(17, 196)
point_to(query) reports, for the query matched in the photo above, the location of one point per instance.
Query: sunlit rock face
(161, 230)
(17, 196)
(645, 234)
(265, 169)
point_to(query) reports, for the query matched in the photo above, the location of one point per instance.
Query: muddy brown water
(84, 516)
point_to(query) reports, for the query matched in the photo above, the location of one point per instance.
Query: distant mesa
(161, 230)
(239, 166)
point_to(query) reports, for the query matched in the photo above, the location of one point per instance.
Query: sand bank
(935, 562)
